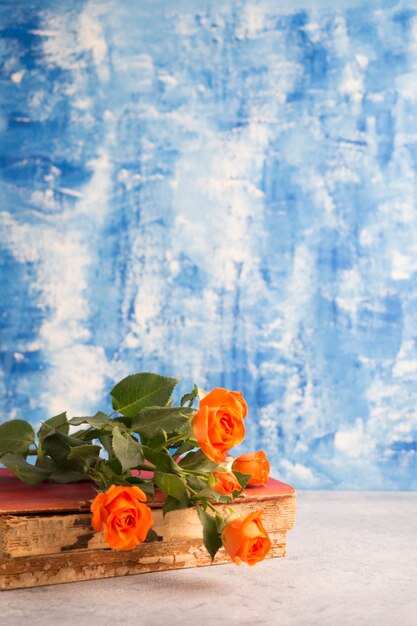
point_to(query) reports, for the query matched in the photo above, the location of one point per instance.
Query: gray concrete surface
(352, 560)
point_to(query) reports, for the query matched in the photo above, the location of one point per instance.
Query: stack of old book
(46, 536)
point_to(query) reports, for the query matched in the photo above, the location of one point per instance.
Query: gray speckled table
(352, 559)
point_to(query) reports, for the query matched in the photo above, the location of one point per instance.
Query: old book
(46, 537)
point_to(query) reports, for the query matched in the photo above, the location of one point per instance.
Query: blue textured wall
(224, 191)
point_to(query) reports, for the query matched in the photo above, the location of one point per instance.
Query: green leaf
(59, 422)
(58, 475)
(172, 485)
(137, 391)
(212, 538)
(172, 504)
(15, 437)
(68, 476)
(115, 466)
(106, 474)
(106, 441)
(243, 481)
(86, 435)
(154, 442)
(99, 420)
(195, 483)
(162, 460)
(70, 440)
(203, 502)
(146, 486)
(190, 397)
(45, 463)
(58, 446)
(184, 447)
(152, 421)
(24, 470)
(84, 452)
(122, 419)
(127, 450)
(197, 460)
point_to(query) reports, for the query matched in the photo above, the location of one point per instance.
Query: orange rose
(218, 424)
(226, 483)
(125, 518)
(245, 539)
(254, 463)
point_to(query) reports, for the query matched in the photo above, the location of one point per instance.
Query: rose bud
(245, 539)
(225, 483)
(125, 517)
(218, 424)
(256, 464)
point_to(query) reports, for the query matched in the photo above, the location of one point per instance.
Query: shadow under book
(46, 536)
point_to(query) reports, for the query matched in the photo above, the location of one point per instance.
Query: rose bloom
(218, 424)
(245, 539)
(226, 483)
(125, 517)
(254, 463)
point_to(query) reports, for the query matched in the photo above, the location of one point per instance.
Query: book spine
(36, 535)
(66, 567)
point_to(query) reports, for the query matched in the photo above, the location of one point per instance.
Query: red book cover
(19, 498)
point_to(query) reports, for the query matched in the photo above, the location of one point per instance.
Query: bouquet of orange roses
(147, 443)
